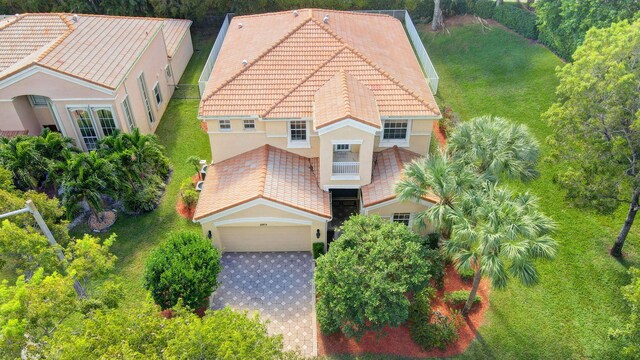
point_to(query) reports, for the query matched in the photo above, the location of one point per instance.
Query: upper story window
(128, 115)
(225, 125)
(402, 218)
(145, 98)
(37, 100)
(342, 147)
(249, 124)
(157, 94)
(395, 130)
(298, 131)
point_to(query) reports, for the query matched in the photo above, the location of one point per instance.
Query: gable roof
(97, 48)
(345, 97)
(263, 173)
(388, 166)
(290, 57)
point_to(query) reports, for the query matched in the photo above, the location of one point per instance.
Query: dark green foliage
(420, 308)
(564, 23)
(459, 298)
(433, 331)
(466, 274)
(517, 19)
(185, 267)
(188, 192)
(484, 9)
(437, 261)
(363, 280)
(318, 249)
(432, 240)
(144, 196)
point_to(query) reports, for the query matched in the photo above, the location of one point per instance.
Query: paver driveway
(279, 285)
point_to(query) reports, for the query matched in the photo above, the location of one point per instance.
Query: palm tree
(21, 156)
(499, 235)
(142, 153)
(493, 147)
(86, 177)
(438, 175)
(55, 148)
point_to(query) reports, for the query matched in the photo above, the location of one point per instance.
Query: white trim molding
(391, 202)
(35, 69)
(265, 202)
(348, 122)
(264, 219)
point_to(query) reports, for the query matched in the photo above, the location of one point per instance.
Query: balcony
(346, 168)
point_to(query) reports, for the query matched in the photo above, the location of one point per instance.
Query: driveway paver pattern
(279, 285)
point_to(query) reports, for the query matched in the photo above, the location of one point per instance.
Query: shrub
(318, 249)
(466, 274)
(484, 9)
(186, 267)
(439, 333)
(437, 261)
(420, 308)
(432, 240)
(459, 298)
(519, 20)
(143, 197)
(188, 193)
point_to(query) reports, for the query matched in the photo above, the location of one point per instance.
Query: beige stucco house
(311, 116)
(87, 75)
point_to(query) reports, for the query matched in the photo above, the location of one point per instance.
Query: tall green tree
(361, 283)
(596, 136)
(89, 258)
(499, 235)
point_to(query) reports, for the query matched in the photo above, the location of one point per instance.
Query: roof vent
(295, 13)
(75, 17)
(199, 185)
(326, 19)
(245, 62)
(239, 25)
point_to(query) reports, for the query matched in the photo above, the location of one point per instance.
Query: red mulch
(439, 133)
(397, 341)
(183, 209)
(203, 126)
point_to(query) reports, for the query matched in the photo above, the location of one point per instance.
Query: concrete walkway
(279, 285)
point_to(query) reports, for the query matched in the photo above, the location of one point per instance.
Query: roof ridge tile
(252, 62)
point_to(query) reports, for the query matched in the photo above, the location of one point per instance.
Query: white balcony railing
(346, 168)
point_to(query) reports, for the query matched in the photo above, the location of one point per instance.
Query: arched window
(87, 131)
(107, 122)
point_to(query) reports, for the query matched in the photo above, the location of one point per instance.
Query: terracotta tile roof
(13, 133)
(96, 48)
(290, 57)
(266, 172)
(345, 97)
(388, 165)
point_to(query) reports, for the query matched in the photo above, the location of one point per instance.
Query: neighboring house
(311, 115)
(88, 75)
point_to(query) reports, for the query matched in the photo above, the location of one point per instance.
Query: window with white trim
(402, 218)
(298, 131)
(167, 71)
(106, 121)
(342, 147)
(87, 130)
(225, 125)
(249, 124)
(395, 130)
(145, 98)
(128, 115)
(157, 94)
(37, 100)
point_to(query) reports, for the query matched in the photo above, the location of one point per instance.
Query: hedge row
(519, 20)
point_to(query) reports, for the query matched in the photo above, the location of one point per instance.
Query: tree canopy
(596, 136)
(362, 281)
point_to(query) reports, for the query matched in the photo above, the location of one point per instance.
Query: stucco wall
(419, 138)
(345, 135)
(261, 214)
(401, 207)
(181, 58)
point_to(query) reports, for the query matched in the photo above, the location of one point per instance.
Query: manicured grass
(569, 313)
(179, 131)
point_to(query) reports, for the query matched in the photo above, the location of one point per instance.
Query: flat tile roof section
(272, 65)
(97, 48)
(263, 173)
(388, 167)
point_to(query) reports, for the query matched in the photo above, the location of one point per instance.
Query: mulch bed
(439, 134)
(97, 224)
(203, 126)
(182, 209)
(397, 341)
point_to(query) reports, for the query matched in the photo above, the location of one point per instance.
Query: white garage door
(275, 238)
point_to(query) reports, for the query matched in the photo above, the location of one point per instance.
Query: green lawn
(569, 313)
(179, 131)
